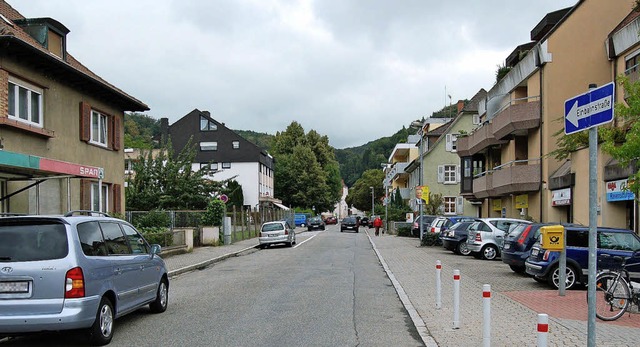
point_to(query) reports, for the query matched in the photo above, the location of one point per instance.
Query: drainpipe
(540, 150)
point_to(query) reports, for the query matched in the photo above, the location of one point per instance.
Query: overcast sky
(355, 70)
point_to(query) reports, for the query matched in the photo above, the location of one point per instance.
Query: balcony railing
(483, 185)
(516, 176)
(480, 139)
(517, 115)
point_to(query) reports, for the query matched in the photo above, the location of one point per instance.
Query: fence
(245, 224)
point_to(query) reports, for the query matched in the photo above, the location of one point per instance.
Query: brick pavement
(514, 312)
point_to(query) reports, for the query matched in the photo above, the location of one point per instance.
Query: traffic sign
(224, 198)
(590, 109)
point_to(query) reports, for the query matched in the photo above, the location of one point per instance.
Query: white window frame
(450, 174)
(226, 165)
(475, 119)
(209, 146)
(207, 125)
(32, 91)
(95, 197)
(449, 204)
(99, 129)
(235, 144)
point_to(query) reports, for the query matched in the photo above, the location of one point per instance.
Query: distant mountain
(262, 140)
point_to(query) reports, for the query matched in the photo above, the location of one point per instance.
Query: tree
(622, 141)
(233, 190)
(163, 181)
(140, 130)
(360, 194)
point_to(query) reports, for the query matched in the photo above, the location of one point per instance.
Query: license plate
(507, 246)
(274, 235)
(14, 287)
(534, 252)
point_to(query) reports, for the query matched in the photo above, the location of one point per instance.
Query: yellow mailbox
(552, 237)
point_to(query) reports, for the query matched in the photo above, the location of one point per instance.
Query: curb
(204, 264)
(427, 339)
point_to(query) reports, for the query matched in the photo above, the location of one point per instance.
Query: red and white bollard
(438, 285)
(486, 315)
(456, 299)
(543, 329)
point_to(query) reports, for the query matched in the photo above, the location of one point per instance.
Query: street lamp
(419, 125)
(371, 201)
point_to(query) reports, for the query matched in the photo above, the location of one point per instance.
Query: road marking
(300, 243)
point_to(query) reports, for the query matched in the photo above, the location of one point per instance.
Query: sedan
(315, 223)
(276, 232)
(349, 223)
(331, 220)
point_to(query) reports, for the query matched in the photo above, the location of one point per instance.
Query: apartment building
(61, 125)
(522, 119)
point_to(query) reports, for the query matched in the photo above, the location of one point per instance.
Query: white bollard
(543, 329)
(456, 299)
(438, 285)
(486, 314)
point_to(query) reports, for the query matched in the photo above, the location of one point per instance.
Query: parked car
(331, 220)
(518, 243)
(364, 221)
(272, 233)
(543, 264)
(300, 219)
(426, 224)
(455, 238)
(76, 272)
(486, 236)
(315, 223)
(349, 223)
(441, 224)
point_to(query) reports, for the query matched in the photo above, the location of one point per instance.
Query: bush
(404, 231)
(157, 235)
(431, 239)
(151, 219)
(215, 212)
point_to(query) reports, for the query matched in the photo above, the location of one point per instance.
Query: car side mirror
(156, 249)
(636, 254)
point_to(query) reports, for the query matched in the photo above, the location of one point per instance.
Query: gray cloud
(334, 66)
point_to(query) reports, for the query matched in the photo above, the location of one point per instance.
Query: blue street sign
(590, 109)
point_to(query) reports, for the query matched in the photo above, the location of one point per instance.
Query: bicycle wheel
(612, 296)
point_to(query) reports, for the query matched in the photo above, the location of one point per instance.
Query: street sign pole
(593, 239)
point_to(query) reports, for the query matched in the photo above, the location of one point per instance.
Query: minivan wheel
(570, 279)
(101, 332)
(462, 248)
(162, 298)
(489, 252)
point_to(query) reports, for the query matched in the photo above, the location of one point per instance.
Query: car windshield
(461, 226)
(314, 220)
(517, 230)
(33, 242)
(349, 220)
(273, 227)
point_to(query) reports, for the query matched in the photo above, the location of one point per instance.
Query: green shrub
(431, 239)
(157, 235)
(215, 212)
(404, 231)
(153, 218)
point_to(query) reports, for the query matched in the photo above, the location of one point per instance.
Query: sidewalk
(514, 313)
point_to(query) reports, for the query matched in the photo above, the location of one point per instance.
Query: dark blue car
(455, 238)
(518, 243)
(543, 264)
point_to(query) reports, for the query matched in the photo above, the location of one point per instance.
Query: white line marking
(300, 243)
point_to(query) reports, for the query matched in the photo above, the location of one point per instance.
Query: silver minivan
(486, 236)
(76, 272)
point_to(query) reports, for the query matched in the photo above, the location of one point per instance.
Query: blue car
(543, 264)
(518, 244)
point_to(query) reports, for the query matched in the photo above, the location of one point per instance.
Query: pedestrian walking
(377, 223)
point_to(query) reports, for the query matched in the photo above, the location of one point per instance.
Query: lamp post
(418, 125)
(372, 197)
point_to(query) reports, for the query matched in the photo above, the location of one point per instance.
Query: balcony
(516, 117)
(480, 139)
(518, 176)
(483, 185)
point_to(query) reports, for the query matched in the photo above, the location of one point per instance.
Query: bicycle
(614, 290)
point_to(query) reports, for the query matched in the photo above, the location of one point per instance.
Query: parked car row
(518, 244)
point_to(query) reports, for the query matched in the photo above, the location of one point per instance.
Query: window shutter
(459, 205)
(457, 173)
(476, 119)
(440, 173)
(447, 145)
(85, 121)
(85, 194)
(117, 198)
(116, 133)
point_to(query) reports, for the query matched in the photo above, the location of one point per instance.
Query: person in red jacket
(377, 223)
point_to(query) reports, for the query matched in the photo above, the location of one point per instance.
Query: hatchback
(349, 223)
(272, 233)
(486, 236)
(455, 238)
(426, 221)
(518, 244)
(76, 272)
(441, 224)
(544, 264)
(315, 223)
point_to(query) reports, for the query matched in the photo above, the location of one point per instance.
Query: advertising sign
(561, 197)
(617, 191)
(522, 201)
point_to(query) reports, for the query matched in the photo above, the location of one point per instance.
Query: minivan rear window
(33, 242)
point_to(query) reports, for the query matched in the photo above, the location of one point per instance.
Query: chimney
(206, 113)
(164, 130)
(460, 105)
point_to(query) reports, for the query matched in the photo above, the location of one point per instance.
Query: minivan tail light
(74, 284)
(523, 236)
(478, 237)
(286, 232)
(546, 255)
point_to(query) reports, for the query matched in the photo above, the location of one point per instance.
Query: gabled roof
(472, 105)
(18, 44)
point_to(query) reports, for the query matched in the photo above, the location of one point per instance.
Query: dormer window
(50, 33)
